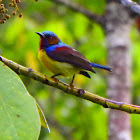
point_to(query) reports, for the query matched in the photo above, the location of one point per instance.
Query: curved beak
(40, 34)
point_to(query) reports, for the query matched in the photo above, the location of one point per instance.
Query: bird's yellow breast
(57, 67)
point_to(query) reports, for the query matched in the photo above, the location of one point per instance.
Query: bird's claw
(55, 79)
(71, 86)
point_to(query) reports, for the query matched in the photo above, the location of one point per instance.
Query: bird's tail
(100, 66)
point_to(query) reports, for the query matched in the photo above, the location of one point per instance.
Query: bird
(62, 60)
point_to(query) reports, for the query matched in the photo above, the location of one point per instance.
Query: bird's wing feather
(71, 56)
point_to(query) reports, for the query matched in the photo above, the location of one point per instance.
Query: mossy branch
(21, 70)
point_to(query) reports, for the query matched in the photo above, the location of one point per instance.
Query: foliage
(80, 119)
(18, 111)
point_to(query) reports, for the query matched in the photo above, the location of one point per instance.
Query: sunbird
(63, 60)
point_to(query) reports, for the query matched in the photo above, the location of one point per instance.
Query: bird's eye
(50, 37)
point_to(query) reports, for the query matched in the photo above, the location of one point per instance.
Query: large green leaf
(19, 118)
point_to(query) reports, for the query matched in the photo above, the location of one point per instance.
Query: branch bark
(106, 103)
(94, 17)
(133, 6)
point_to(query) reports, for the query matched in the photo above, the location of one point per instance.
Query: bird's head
(47, 38)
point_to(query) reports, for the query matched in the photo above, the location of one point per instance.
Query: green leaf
(19, 118)
(42, 118)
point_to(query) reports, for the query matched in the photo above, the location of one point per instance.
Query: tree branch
(97, 18)
(133, 6)
(129, 108)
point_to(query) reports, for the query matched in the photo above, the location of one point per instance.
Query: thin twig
(21, 70)
(96, 18)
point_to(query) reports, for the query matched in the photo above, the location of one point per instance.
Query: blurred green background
(69, 117)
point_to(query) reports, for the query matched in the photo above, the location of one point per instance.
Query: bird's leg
(71, 83)
(55, 75)
(80, 91)
(55, 79)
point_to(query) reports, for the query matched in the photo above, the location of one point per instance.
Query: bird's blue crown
(49, 33)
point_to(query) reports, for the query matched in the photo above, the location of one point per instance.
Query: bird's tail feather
(100, 66)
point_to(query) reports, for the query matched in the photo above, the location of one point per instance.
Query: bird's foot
(71, 86)
(55, 79)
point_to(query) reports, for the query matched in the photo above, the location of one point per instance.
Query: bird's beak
(40, 34)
